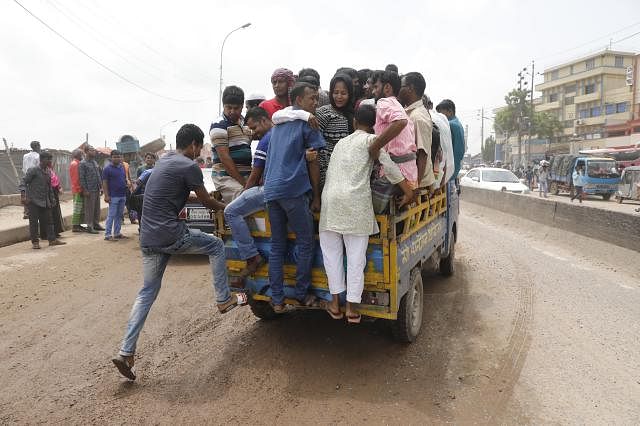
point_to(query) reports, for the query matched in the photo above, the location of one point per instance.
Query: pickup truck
(601, 176)
(421, 236)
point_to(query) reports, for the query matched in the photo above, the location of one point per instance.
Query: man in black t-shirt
(163, 234)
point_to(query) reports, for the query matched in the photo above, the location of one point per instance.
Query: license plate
(198, 213)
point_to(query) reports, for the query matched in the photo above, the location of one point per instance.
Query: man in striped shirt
(252, 199)
(231, 146)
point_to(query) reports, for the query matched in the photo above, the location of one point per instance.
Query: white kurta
(346, 198)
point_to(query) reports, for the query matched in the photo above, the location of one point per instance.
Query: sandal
(335, 315)
(237, 299)
(354, 319)
(124, 364)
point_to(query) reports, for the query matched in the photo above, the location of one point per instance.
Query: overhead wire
(100, 38)
(588, 42)
(104, 66)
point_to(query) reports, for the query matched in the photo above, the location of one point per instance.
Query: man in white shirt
(446, 144)
(30, 160)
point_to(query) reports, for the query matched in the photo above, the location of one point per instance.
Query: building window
(590, 63)
(568, 124)
(589, 88)
(621, 107)
(583, 113)
(553, 97)
(568, 100)
(595, 111)
(610, 109)
(570, 88)
(571, 69)
(619, 61)
(554, 75)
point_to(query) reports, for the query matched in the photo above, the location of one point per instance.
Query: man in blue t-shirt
(251, 200)
(289, 179)
(162, 234)
(114, 185)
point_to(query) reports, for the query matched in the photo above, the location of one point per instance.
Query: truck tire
(407, 327)
(262, 310)
(606, 197)
(447, 263)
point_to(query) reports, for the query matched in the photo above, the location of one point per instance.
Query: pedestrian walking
(91, 184)
(36, 193)
(543, 179)
(577, 175)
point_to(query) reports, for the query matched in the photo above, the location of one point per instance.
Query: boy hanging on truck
(346, 217)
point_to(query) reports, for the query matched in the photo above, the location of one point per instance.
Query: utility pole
(532, 112)
(482, 128)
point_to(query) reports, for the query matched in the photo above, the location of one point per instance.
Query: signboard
(629, 76)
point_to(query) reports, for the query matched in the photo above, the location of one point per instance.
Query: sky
(468, 51)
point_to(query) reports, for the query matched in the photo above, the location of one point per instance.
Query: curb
(21, 233)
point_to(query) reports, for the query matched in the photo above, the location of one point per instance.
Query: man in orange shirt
(76, 189)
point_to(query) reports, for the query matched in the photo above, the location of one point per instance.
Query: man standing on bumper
(289, 178)
(163, 234)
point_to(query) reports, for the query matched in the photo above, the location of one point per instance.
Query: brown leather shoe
(56, 243)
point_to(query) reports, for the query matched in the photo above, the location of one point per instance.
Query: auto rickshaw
(629, 187)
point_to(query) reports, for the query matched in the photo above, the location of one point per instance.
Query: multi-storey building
(587, 95)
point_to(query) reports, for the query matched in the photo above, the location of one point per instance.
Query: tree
(489, 150)
(517, 116)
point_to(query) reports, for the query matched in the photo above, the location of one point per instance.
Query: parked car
(195, 214)
(494, 179)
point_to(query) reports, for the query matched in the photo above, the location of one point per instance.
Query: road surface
(537, 326)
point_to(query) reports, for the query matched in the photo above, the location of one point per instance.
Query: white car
(494, 179)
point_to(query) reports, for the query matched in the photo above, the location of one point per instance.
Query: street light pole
(221, 52)
(165, 125)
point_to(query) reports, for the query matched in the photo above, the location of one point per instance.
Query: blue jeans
(114, 216)
(296, 213)
(250, 201)
(154, 262)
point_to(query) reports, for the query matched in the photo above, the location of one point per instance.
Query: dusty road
(538, 326)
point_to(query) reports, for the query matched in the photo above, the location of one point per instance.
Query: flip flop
(354, 319)
(123, 367)
(237, 299)
(335, 316)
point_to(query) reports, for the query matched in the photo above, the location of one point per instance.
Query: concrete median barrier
(622, 229)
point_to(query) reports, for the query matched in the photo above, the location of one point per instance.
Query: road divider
(622, 229)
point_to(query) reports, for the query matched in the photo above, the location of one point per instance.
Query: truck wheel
(407, 327)
(606, 197)
(446, 264)
(554, 189)
(262, 310)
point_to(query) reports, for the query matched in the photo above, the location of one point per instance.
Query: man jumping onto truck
(163, 234)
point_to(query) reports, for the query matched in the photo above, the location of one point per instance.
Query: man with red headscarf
(282, 81)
